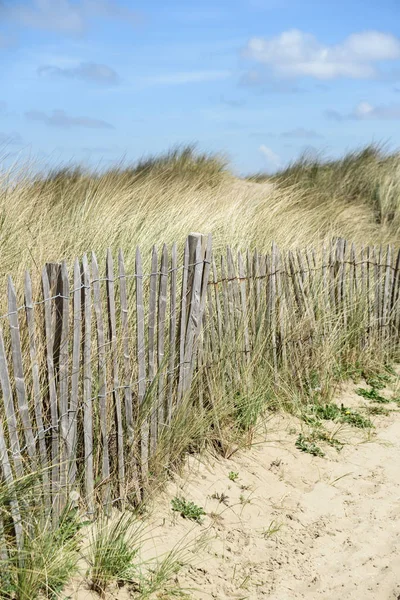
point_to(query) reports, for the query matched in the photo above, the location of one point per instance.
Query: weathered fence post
(199, 248)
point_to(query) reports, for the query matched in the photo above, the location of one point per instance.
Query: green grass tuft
(187, 510)
(307, 445)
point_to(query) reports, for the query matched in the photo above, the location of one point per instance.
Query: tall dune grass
(67, 212)
(70, 211)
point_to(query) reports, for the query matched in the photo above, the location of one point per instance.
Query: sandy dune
(291, 525)
(294, 525)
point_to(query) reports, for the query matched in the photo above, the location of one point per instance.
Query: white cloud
(59, 118)
(294, 54)
(365, 111)
(186, 77)
(91, 72)
(272, 158)
(66, 16)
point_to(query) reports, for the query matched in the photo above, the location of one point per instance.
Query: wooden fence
(93, 369)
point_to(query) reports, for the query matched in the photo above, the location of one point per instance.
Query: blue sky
(95, 81)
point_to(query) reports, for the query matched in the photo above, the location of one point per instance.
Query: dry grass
(70, 211)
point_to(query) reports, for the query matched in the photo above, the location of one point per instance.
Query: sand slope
(294, 525)
(291, 525)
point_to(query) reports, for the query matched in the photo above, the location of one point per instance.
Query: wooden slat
(352, 277)
(387, 286)
(243, 300)
(102, 380)
(162, 309)
(87, 379)
(172, 372)
(11, 418)
(125, 348)
(377, 299)
(8, 479)
(206, 257)
(257, 294)
(363, 271)
(112, 323)
(37, 395)
(380, 273)
(75, 375)
(369, 289)
(395, 301)
(151, 350)
(342, 280)
(183, 319)
(141, 357)
(332, 277)
(363, 293)
(296, 283)
(233, 291)
(272, 306)
(228, 332)
(193, 317)
(325, 297)
(19, 377)
(231, 296)
(304, 280)
(281, 308)
(311, 280)
(218, 311)
(251, 283)
(130, 442)
(213, 346)
(288, 291)
(63, 383)
(263, 288)
(50, 326)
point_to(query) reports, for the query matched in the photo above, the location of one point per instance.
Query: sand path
(293, 525)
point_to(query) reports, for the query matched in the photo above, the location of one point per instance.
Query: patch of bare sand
(292, 525)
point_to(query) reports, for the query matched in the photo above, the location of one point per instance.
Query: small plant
(243, 500)
(222, 498)
(216, 518)
(326, 412)
(389, 369)
(333, 412)
(378, 382)
(272, 529)
(332, 441)
(111, 553)
(354, 418)
(160, 576)
(233, 476)
(248, 409)
(187, 510)
(377, 410)
(372, 395)
(307, 445)
(48, 558)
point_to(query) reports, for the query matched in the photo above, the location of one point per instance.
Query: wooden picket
(107, 363)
